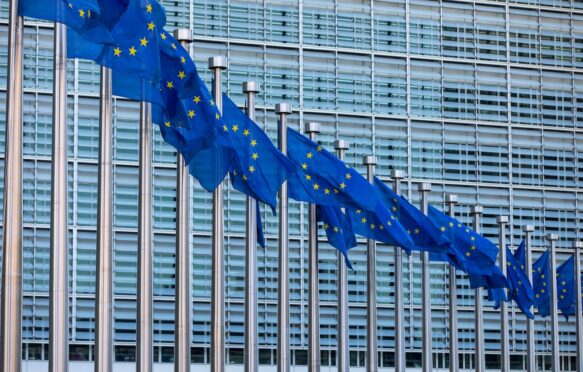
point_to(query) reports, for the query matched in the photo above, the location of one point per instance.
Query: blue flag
(520, 289)
(260, 234)
(338, 230)
(520, 255)
(495, 282)
(425, 236)
(566, 288)
(541, 284)
(259, 168)
(321, 178)
(86, 17)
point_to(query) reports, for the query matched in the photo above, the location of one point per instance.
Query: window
(390, 86)
(425, 28)
(425, 88)
(390, 33)
(524, 36)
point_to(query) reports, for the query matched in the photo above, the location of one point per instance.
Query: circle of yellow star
(253, 143)
(316, 186)
(117, 52)
(196, 99)
(309, 155)
(342, 185)
(246, 132)
(181, 75)
(191, 114)
(251, 169)
(144, 42)
(81, 13)
(170, 85)
(255, 156)
(304, 166)
(133, 51)
(363, 220)
(151, 26)
(235, 128)
(149, 8)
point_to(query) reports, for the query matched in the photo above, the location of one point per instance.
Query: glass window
(557, 95)
(458, 32)
(490, 32)
(525, 96)
(282, 77)
(319, 80)
(526, 156)
(558, 159)
(282, 21)
(424, 28)
(460, 152)
(426, 149)
(246, 19)
(353, 29)
(492, 94)
(391, 145)
(390, 86)
(210, 18)
(390, 34)
(524, 36)
(354, 83)
(319, 22)
(493, 160)
(556, 47)
(425, 88)
(459, 93)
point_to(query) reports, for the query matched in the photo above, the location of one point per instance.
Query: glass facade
(483, 99)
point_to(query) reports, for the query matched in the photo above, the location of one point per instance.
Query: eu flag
(520, 289)
(260, 234)
(259, 168)
(520, 255)
(425, 236)
(495, 282)
(566, 288)
(321, 178)
(541, 283)
(338, 230)
(87, 17)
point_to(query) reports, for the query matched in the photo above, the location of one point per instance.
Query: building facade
(483, 99)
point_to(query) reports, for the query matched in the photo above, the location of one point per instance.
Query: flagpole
(530, 342)
(451, 200)
(504, 336)
(341, 146)
(477, 211)
(552, 238)
(104, 280)
(251, 88)
(11, 290)
(283, 352)
(424, 189)
(59, 278)
(314, 298)
(217, 65)
(183, 295)
(578, 246)
(144, 358)
(371, 300)
(400, 358)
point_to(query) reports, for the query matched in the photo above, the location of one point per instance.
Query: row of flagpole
(11, 312)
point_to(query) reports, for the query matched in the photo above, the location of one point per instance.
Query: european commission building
(482, 99)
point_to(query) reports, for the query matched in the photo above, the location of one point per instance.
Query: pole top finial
(369, 160)
(217, 62)
(397, 174)
(312, 127)
(451, 198)
(528, 228)
(283, 108)
(502, 219)
(425, 186)
(250, 87)
(183, 35)
(477, 209)
(553, 237)
(341, 145)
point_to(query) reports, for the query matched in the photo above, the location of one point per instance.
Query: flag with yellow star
(259, 168)
(86, 17)
(519, 287)
(566, 296)
(424, 234)
(541, 283)
(338, 230)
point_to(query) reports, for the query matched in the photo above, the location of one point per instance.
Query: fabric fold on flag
(541, 284)
(566, 288)
(520, 290)
(338, 229)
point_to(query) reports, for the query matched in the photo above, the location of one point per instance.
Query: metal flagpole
(341, 147)
(104, 293)
(578, 246)
(530, 345)
(59, 296)
(314, 299)
(552, 238)
(217, 65)
(424, 189)
(400, 358)
(451, 201)
(477, 211)
(11, 323)
(371, 300)
(283, 353)
(251, 88)
(183, 295)
(504, 336)
(144, 358)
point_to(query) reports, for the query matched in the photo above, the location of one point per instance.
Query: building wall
(483, 99)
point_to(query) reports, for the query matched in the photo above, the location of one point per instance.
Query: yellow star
(336, 229)
(81, 13)
(394, 209)
(149, 8)
(389, 223)
(163, 36)
(348, 176)
(442, 228)
(191, 114)
(304, 166)
(173, 46)
(316, 187)
(358, 211)
(133, 51)
(117, 52)
(225, 128)
(473, 238)
(181, 75)
(244, 177)
(308, 177)
(251, 169)
(151, 26)
(235, 128)
(372, 226)
(144, 42)
(253, 143)
(212, 102)
(416, 231)
(536, 295)
(309, 155)
(196, 99)
(70, 5)
(381, 227)
(319, 148)
(169, 85)
(473, 247)
(217, 116)
(468, 254)
(246, 132)
(167, 123)
(409, 232)
(363, 220)
(342, 185)
(255, 156)
(182, 60)
(326, 226)
(451, 224)
(327, 191)
(336, 191)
